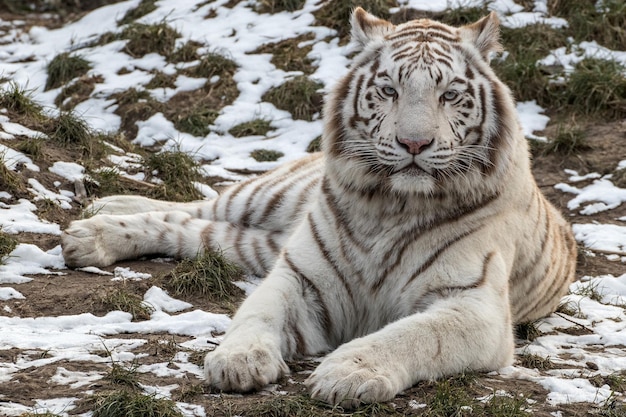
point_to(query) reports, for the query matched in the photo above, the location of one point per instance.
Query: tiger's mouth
(413, 170)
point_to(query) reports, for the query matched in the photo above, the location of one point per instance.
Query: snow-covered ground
(24, 55)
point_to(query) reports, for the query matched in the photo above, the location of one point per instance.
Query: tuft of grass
(123, 376)
(143, 39)
(178, 171)
(532, 361)
(590, 290)
(292, 406)
(195, 120)
(31, 147)
(19, 100)
(145, 7)
(449, 399)
(40, 414)
(289, 55)
(604, 22)
(275, 6)
(10, 181)
(505, 406)
(335, 14)
(71, 131)
(185, 53)
(162, 80)
(65, 67)
(103, 182)
(315, 145)
(189, 391)
(266, 155)
(527, 331)
(122, 299)
(612, 407)
(519, 69)
(133, 404)
(299, 95)
(569, 140)
(212, 64)
(7, 244)
(597, 87)
(256, 127)
(210, 274)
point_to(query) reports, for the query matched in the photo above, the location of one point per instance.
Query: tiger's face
(421, 104)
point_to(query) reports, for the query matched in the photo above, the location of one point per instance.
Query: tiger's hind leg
(105, 239)
(133, 204)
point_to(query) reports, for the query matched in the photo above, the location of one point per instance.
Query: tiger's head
(420, 110)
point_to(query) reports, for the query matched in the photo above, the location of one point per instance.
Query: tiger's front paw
(243, 367)
(350, 379)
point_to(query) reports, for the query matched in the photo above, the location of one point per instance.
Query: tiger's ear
(367, 28)
(484, 34)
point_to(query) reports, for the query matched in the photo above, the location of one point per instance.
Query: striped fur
(406, 251)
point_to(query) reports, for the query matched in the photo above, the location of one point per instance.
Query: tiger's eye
(389, 91)
(450, 95)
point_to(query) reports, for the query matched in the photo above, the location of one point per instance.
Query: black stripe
(309, 286)
(438, 252)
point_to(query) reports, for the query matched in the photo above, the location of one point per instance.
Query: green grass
(162, 80)
(178, 171)
(266, 155)
(596, 88)
(449, 399)
(289, 55)
(532, 361)
(211, 64)
(569, 140)
(143, 39)
(195, 120)
(606, 25)
(7, 244)
(275, 6)
(336, 14)
(124, 403)
(519, 69)
(505, 406)
(145, 7)
(299, 95)
(125, 376)
(70, 131)
(10, 181)
(31, 147)
(288, 406)
(210, 275)
(124, 300)
(187, 52)
(18, 100)
(315, 145)
(65, 67)
(256, 127)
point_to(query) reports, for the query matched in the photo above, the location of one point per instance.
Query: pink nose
(415, 147)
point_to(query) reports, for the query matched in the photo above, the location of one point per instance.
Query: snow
(239, 31)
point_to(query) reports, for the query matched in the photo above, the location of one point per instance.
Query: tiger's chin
(413, 180)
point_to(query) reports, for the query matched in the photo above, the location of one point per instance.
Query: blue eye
(450, 95)
(389, 91)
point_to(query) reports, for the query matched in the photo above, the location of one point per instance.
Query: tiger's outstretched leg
(105, 239)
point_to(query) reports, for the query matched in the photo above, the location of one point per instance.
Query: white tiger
(405, 252)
